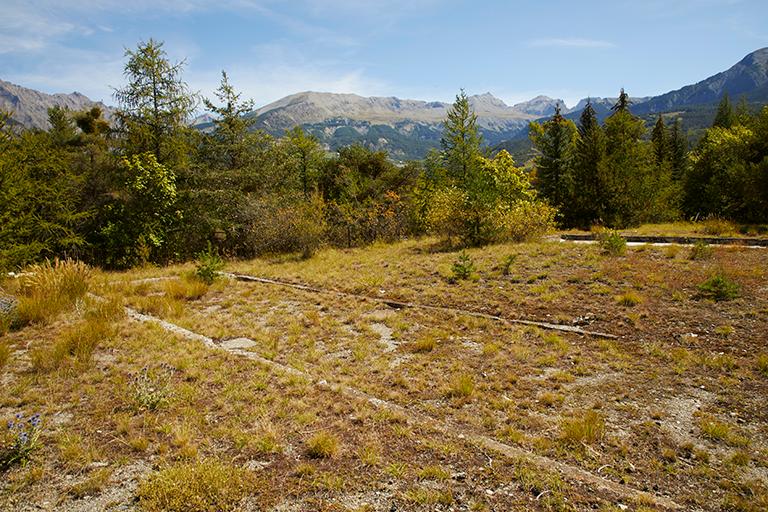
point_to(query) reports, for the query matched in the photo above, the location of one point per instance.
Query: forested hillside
(147, 187)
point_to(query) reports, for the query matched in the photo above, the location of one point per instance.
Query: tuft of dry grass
(587, 427)
(322, 445)
(186, 289)
(207, 486)
(47, 289)
(461, 386)
(628, 299)
(426, 343)
(5, 353)
(76, 344)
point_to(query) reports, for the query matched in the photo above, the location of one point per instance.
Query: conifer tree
(461, 140)
(628, 182)
(660, 142)
(62, 129)
(231, 123)
(678, 151)
(554, 141)
(588, 164)
(155, 103)
(622, 103)
(724, 117)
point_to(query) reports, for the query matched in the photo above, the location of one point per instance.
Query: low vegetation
(121, 401)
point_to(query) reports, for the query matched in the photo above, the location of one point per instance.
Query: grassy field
(257, 396)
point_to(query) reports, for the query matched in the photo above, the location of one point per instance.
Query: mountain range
(407, 129)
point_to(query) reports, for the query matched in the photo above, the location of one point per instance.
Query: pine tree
(628, 167)
(554, 141)
(461, 140)
(678, 148)
(231, 124)
(660, 142)
(155, 103)
(588, 163)
(724, 117)
(62, 129)
(307, 157)
(622, 103)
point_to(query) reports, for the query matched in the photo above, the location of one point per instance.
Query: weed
(186, 289)
(719, 287)
(49, 288)
(506, 265)
(92, 485)
(208, 265)
(369, 455)
(612, 243)
(463, 267)
(701, 250)
(150, 390)
(719, 431)
(22, 439)
(433, 473)
(397, 469)
(724, 330)
(761, 364)
(629, 299)
(717, 227)
(422, 496)
(5, 354)
(461, 386)
(196, 486)
(322, 445)
(587, 428)
(426, 343)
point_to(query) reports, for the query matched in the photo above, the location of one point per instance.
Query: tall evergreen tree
(62, 128)
(588, 166)
(628, 166)
(461, 140)
(554, 141)
(155, 103)
(622, 103)
(724, 117)
(230, 123)
(307, 158)
(678, 151)
(660, 142)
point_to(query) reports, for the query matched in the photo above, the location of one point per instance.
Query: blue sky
(421, 49)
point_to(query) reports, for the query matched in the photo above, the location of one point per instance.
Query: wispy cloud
(569, 42)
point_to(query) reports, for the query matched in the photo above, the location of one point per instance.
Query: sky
(418, 49)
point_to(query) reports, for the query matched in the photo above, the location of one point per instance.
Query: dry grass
(45, 290)
(206, 486)
(576, 399)
(323, 445)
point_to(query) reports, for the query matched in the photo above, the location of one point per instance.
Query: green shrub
(717, 227)
(719, 287)
(701, 250)
(463, 267)
(208, 265)
(207, 486)
(283, 225)
(612, 243)
(527, 221)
